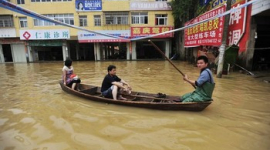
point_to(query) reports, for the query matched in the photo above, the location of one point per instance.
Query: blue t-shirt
(205, 76)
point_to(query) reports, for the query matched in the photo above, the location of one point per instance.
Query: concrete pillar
(97, 51)
(168, 48)
(128, 51)
(2, 60)
(101, 50)
(134, 52)
(65, 51)
(30, 53)
(249, 53)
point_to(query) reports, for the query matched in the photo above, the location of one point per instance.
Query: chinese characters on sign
(146, 31)
(44, 34)
(207, 33)
(236, 24)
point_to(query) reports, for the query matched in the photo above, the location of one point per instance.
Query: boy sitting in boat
(112, 84)
(204, 84)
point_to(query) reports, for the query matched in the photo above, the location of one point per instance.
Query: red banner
(237, 25)
(207, 33)
(146, 31)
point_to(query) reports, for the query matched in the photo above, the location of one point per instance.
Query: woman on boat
(69, 78)
(204, 84)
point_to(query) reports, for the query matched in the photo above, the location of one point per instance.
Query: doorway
(7, 53)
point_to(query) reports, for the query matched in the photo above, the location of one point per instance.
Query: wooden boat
(136, 99)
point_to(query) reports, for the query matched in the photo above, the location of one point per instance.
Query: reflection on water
(36, 114)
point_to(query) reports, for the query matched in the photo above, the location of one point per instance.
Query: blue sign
(88, 5)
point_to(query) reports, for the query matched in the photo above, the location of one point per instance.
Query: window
(65, 18)
(83, 21)
(23, 22)
(161, 19)
(139, 18)
(115, 18)
(20, 1)
(6, 21)
(97, 20)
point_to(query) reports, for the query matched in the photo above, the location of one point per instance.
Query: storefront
(259, 46)
(46, 45)
(11, 48)
(106, 48)
(142, 49)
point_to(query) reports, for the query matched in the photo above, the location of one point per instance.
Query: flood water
(35, 114)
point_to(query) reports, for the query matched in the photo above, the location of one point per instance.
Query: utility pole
(224, 41)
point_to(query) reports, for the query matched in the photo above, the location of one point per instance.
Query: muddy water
(35, 114)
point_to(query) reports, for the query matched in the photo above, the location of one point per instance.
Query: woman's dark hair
(204, 58)
(68, 62)
(111, 67)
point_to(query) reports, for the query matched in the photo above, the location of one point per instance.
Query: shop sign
(88, 37)
(7, 33)
(237, 25)
(207, 33)
(44, 34)
(88, 5)
(146, 31)
(149, 6)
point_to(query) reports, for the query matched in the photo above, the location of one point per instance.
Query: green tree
(183, 11)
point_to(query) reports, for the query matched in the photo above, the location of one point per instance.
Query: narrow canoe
(136, 99)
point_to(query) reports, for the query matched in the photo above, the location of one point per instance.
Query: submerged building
(26, 39)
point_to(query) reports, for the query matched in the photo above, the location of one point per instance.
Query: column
(128, 49)
(30, 53)
(97, 51)
(134, 52)
(65, 51)
(2, 60)
(168, 48)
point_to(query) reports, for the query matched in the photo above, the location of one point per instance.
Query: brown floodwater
(35, 114)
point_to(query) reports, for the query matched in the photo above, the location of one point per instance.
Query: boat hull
(142, 100)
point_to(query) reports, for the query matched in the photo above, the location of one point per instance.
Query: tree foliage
(183, 10)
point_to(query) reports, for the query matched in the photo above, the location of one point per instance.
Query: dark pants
(74, 81)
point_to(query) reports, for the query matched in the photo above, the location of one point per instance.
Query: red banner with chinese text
(237, 26)
(207, 33)
(146, 31)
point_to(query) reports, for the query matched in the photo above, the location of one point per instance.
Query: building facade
(248, 29)
(26, 39)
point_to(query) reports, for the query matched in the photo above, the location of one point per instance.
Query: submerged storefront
(11, 48)
(142, 49)
(46, 45)
(107, 47)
